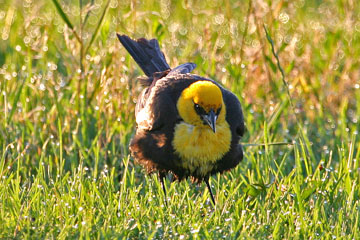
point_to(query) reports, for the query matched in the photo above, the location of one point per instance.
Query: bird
(186, 125)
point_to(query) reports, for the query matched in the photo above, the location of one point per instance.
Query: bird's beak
(210, 119)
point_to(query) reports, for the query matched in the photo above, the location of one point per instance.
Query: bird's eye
(199, 110)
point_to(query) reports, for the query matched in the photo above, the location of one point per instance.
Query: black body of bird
(187, 125)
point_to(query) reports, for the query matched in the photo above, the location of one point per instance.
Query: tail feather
(146, 53)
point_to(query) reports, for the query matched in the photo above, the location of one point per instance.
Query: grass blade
(65, 18)
(16, 100)
(95, 33)
(266, 144)
(287, 88)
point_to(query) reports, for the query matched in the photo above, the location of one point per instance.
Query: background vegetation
(68, 91)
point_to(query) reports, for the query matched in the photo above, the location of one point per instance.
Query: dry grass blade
(89, 7)
(65, 18)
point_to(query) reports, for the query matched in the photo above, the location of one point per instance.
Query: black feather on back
(182, 69)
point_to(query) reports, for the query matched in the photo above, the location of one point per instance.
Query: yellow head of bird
(201, 104)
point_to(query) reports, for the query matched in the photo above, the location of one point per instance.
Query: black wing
(155, 107)
(234, 115)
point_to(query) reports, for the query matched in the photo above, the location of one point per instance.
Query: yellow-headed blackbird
(187, 125)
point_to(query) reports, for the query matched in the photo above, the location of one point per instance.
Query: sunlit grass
(67, 100)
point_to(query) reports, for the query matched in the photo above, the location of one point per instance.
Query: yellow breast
(199, 147)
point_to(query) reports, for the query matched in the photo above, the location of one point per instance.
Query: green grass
(68, 91)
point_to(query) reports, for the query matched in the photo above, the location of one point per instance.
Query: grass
(68, 91)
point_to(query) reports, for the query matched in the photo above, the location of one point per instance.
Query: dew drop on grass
(284, 17)
(183, 31)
